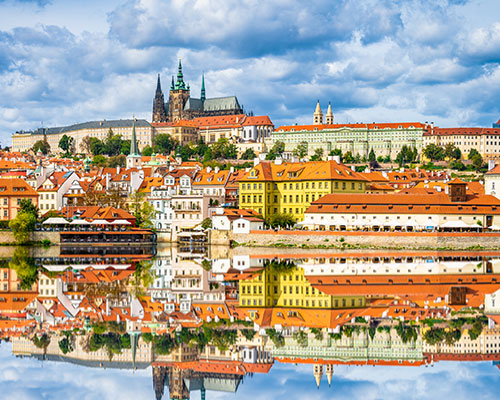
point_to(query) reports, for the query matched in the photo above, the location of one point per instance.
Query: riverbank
(360, 240)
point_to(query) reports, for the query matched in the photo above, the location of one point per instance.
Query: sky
(70, 61)
(30, 379)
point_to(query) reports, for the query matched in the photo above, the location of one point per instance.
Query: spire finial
(158, 84)
(203, 96)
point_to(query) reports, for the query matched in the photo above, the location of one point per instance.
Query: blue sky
(67, 61)
(29, 379)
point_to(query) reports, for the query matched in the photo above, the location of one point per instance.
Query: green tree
(477, 161)
(406, 155)
(97, 147)
(371, 156)
(164, 143)
(206, 223)
(434, 152)
(100, 161)
(116, 161)
(472, 153)
(42, 342)
(318, 154)
(22, 226)
(348, 158)
(224, 150)
(66, 144)
(143, 211)
(43, 146)
(301, 150)
(27, 206)
(276, 151)
(452, 152)
(336, 152)
(66, 345)
(248, 154)
(280, 220)
(147, 151)
(25, 267)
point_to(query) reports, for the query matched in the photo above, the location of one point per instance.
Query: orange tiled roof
(396, 125)
(16, 187)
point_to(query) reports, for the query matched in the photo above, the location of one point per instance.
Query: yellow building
(275, 187)
(273, 288)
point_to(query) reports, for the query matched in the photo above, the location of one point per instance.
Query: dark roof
(119, 123)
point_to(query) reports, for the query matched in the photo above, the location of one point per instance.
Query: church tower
(329, 115)
(134, 158)
(159, 114)
(318, 373)
(318, 115)
(203, 95)
(329, 373)
(179, 95)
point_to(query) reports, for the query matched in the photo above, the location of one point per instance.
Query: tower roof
(134, 149)
(203, 96)
(329, 112)
(318, 109)
(158, 85)
(180, 85)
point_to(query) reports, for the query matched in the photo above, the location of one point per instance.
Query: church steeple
(158, 85)
(329, 115)
(134, 157)
(180, 85)
(172, 86)
(203, 97)
(318, 115)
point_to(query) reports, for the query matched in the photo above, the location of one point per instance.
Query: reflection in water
(203, 319)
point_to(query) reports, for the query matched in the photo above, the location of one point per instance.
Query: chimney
(231, 170)
(353, 168)
(216, 170)
(336, 159)
(117, 170)
(278, 161)
(491, 164)
(256, 161)
(209, 169)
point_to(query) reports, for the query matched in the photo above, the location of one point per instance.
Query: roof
(462, 131)
(221, 103)
(396, 125)
(404, 203)
(311, 170)
(494, 171)
(257, 120)
(220, 121)
(104, 124)
(16, 187)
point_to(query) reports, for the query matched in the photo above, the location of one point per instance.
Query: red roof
(395, 125)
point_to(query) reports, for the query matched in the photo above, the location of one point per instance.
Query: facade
(12, 191)
(386, 139)
(275, 187)
(492, 181)
(181, 105)
(411, 209)
(485, 140)
(183, 131)
(24, 140)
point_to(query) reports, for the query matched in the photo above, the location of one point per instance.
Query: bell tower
(159, 114)
(318, 115)
(179, 95)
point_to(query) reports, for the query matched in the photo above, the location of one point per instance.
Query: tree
(452, 152)
(434, 152)
(42, 342)
(406, 155)
(22, 226)
(279, 220)
(164, 143)
(27, 206)
(206, 223)
(66, 143)
(301, 150)
(116, 161)
(66, 345)
(248, 154)
(336, 152)
(143, 211)
(224, 150)
(99, 161)
(472, 153)
(477, 161)
(348, 158)
(318, 154)
(97, 147)
(25, 267)
(147, 151)
(85, 145)
(371, 156)
(276, 151)
(43, 146)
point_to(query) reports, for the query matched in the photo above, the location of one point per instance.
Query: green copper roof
(203, 96)
(134, 150)
(180, 85)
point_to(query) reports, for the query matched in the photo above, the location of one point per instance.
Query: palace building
(181, 105)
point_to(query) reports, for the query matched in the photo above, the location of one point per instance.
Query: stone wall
(388, 240)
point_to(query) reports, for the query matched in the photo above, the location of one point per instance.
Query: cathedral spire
(180, 78)
(158, 85)
(134, 150)
(203, 96)
(172, 86)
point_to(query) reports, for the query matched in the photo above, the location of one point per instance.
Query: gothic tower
(318, 115)
(329, 373)
(179, 95)
(159, 114)
(329, 115)
(318, 373)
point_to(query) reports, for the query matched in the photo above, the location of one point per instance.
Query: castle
(181, 105)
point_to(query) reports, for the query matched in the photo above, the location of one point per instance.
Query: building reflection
(208, 323)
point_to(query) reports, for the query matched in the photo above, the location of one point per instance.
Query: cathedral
(181, 105)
